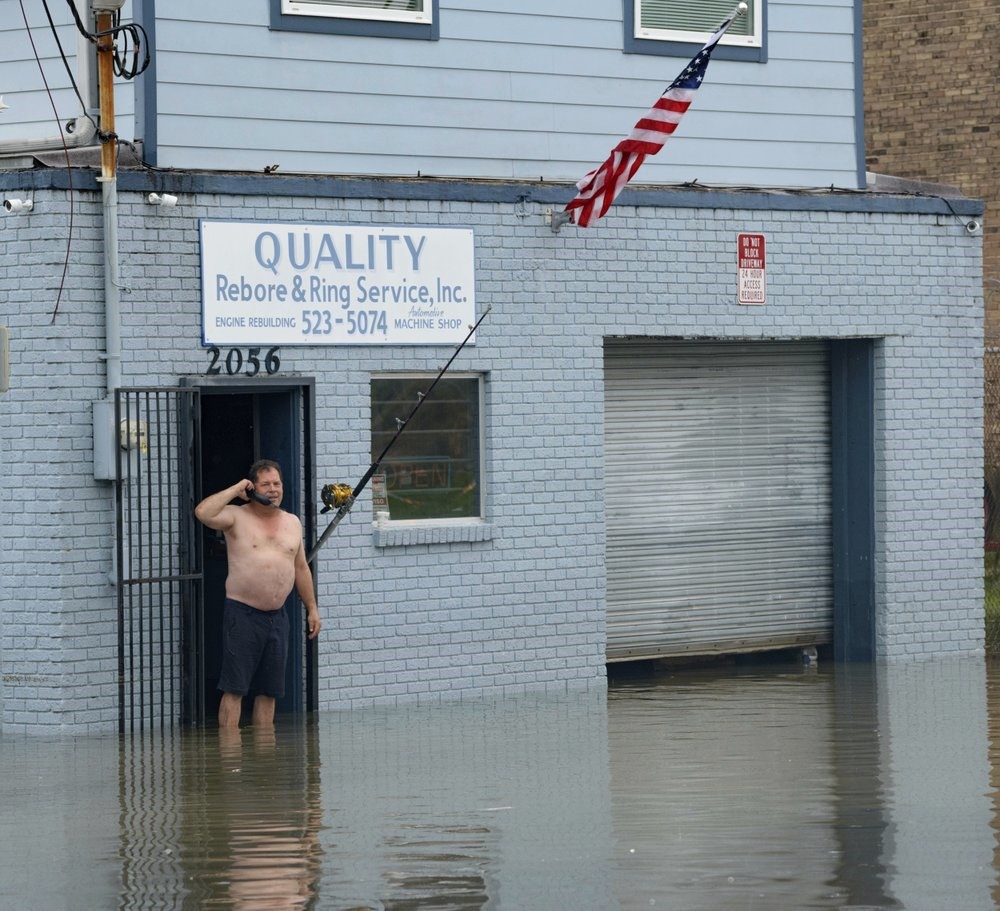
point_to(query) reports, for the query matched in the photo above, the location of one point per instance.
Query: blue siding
(29, 114)
(25, 82)
(534, 91)
(527, 92)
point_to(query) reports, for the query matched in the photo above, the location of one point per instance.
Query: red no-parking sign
(751, 268)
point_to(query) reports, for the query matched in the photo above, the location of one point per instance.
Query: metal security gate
(719, 534)
(159, 576)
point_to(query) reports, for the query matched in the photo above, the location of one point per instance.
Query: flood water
(749, 786)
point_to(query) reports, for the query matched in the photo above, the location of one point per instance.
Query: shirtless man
(266, 558)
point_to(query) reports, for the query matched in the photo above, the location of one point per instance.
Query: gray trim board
(489, 191)
(859, 94)
(146, 112)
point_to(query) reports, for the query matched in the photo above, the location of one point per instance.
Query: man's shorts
(254, 650)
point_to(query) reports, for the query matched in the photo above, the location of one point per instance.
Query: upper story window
(380, 10)
(378, 18)
(669, 27)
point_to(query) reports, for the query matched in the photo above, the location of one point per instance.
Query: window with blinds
(696, 20)
(415, 11)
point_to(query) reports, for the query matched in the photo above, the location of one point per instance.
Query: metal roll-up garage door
(717, 468)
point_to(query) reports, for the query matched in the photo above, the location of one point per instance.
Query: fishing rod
(342, 496)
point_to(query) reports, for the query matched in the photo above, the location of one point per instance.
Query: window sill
(683, 49)
(400, 535)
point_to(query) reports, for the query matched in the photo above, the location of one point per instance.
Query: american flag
(599, 188)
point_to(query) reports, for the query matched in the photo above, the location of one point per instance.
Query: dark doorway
(852, 413)
(238, 425)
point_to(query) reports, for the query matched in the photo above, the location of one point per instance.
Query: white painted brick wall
(523, 609)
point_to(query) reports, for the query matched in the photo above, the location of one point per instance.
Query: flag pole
(740, 10)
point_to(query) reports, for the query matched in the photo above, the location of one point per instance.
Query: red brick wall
(932, 105)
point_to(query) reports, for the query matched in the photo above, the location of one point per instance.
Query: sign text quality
(271, 284)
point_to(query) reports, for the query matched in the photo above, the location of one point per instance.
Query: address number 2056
(235, 361)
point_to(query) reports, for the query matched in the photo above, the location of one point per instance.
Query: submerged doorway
(721, 541)
(240, 423)
(748, 521)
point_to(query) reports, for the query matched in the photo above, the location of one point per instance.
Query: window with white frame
(695, 20)
(434, 470)
(372, 18)
(412, 11)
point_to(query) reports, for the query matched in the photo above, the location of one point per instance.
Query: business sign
(751, 266)
(309, 284)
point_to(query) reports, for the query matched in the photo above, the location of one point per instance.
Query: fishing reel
(336, 495)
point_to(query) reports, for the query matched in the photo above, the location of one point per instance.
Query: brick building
(932, 112)
(633, 460)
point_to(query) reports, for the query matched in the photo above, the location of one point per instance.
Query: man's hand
(313, 623)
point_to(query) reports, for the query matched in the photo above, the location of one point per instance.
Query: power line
(69, 170)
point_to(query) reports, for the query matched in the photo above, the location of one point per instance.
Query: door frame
(304, 422)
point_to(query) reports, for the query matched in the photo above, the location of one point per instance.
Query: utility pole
(104, 411)
(104, 11)
(104, 20)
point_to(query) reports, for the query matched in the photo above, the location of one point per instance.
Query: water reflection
(742, 787)
(468, 806)
(860, 809)
(221, 819)
(272, 858)
(993, 728)
(935, 759)
(757, 788)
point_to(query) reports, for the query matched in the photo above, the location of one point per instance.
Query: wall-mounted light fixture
(18, 205)
(162, 199)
